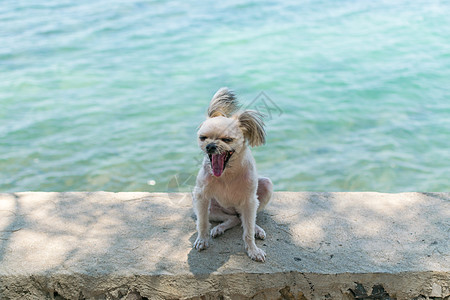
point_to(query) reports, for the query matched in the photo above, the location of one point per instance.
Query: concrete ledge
(139, 245)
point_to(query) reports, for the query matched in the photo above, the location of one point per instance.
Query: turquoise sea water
(107, 95)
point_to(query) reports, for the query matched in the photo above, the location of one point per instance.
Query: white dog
(227, 185)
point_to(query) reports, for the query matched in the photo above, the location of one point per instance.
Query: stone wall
(139, 246)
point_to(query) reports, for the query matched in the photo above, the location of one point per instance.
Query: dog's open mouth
(219, 162)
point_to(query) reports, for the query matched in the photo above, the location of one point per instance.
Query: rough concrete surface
(139, 246)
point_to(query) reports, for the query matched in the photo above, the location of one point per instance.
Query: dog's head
(227, 131)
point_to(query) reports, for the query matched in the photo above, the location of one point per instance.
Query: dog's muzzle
(211, 148)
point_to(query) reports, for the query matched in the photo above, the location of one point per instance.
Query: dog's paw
(217, 230)
(201, 244)
(259, 233)
(257, 254)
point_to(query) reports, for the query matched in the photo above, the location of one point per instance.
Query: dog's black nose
(210, 148)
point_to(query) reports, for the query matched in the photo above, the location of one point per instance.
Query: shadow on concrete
(219, 252)
(10, 223)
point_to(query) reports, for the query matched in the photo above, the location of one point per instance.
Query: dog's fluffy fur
(228, 189)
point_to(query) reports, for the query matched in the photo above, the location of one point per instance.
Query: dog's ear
(223, 103)
(252, 125)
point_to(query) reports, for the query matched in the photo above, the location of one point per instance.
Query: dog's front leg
(201, 208)
(248, 217)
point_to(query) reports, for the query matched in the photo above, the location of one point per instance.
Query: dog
(228, 188)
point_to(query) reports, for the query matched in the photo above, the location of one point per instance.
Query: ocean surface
(107, 95)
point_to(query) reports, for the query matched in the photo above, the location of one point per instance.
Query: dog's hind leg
(264, 192)
(217, 214)
(227, 224)
(259, 232)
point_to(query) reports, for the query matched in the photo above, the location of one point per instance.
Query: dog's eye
(202, 138)
(227, 140)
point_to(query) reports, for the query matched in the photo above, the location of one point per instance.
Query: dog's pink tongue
(217, 162)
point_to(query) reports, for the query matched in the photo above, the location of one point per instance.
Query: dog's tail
(223, 103)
